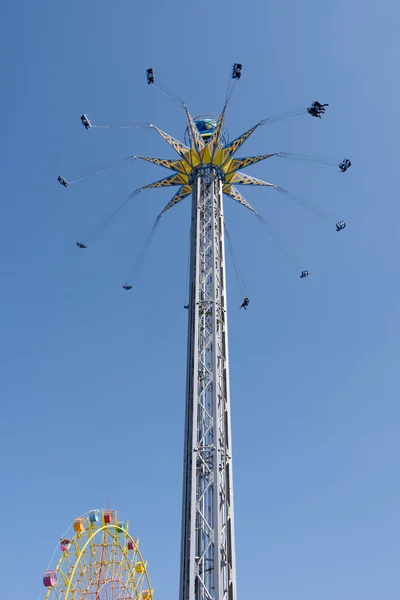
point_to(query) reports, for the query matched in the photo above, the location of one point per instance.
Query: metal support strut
(208, 546)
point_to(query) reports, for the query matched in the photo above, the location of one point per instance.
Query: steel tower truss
(207, 170)
(208, 550)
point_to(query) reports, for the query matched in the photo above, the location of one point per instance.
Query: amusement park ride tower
(207, 169)
(208, 549)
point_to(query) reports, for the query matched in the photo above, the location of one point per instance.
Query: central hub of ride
(207, 168)
(206, 125)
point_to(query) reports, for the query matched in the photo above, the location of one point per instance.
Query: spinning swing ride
(206, 168)
(206, 146)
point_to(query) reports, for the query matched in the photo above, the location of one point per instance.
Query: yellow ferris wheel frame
(94, 557)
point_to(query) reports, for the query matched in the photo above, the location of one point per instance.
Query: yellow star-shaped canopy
(204, 150)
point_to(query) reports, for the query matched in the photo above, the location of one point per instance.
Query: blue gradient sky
(92, 380)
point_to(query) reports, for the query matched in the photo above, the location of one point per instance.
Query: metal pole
(207, 547)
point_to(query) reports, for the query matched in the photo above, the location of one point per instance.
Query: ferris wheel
(97, 559)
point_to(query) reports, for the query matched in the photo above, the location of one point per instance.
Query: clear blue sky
(92, 380)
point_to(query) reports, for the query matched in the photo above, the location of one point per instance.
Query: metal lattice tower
(206, 168)
(208, 550)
